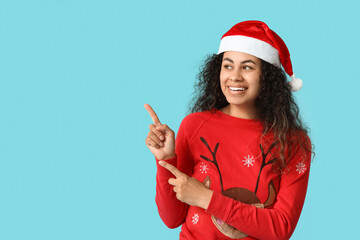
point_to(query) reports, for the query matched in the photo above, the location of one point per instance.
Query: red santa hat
(257, 39)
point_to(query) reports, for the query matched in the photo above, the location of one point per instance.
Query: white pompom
(295, 83)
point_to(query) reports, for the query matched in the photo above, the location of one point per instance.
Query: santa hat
(257, 39)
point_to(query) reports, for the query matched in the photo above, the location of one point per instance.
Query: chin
(235, 102)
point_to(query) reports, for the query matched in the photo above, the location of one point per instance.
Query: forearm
(256, 222)
(171, 210)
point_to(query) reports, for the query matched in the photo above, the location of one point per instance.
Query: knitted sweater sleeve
(172, 211)
(277, 222)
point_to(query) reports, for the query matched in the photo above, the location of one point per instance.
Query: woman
(240, 165)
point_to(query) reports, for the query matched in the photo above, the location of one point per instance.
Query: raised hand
(160, 139)
(188, 189)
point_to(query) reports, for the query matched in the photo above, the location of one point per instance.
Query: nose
(236, 76)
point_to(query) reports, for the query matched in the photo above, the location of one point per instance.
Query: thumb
(165, 129)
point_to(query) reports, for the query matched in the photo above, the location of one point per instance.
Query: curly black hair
(208, 94)
(275, 106)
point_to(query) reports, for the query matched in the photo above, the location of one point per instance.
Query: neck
(240, 111)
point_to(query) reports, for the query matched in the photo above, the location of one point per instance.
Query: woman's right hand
(160, 139)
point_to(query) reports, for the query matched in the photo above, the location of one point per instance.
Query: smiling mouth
(237, 89)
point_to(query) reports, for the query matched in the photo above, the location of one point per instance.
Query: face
(240, 79)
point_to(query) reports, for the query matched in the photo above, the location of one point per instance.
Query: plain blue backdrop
(74, 76)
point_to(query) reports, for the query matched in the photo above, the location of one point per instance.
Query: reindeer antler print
(264, 163)
(239, 194)
(214, 161)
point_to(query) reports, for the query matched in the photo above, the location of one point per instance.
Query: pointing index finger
(171, 168)
(152, 113)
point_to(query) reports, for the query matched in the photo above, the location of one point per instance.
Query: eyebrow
(243, 62)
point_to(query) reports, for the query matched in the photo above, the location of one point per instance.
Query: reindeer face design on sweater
(239, 194)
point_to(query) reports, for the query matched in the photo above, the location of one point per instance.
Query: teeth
(237, 88)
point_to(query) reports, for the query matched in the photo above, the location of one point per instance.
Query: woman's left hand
(188, 189)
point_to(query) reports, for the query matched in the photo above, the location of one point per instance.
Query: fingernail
(161, 144)
(161, 137)
(161, 163)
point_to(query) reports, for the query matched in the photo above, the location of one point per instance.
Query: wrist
(206, 199)
(167, 157)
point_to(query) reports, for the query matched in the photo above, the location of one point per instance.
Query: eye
(247, 68)
(226, 66)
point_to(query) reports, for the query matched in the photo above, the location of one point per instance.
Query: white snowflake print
(203, 168)
(249, 160)
(300, 167)
(195, 218)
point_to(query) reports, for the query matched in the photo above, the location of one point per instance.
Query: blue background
(74, 76)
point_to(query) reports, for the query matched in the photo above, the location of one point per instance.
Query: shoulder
(196, 119)
(302, 140)
(302, 148)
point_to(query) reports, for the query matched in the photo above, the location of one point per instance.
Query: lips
(237, 90)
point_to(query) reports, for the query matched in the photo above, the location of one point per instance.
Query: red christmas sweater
(250, 200)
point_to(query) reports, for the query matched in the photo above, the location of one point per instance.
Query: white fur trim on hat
(251, 46)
